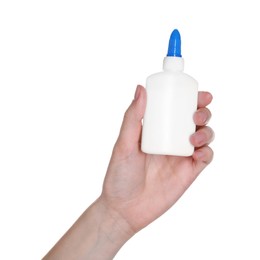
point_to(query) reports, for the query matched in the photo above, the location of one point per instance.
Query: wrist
(110, 231)
(99, 233)
(105, 231)
(112, 224)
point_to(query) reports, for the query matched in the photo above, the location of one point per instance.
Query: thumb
(131, 128)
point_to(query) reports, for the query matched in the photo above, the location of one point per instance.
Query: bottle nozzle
(174, 48)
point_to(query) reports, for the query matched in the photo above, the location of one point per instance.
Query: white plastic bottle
(171, 103)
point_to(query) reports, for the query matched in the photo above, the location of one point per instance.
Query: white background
(68, 71)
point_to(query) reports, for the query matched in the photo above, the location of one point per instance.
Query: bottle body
(168, 120)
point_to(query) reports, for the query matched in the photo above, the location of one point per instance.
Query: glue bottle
(171, 103)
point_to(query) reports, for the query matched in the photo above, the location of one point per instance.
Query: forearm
(97, 234)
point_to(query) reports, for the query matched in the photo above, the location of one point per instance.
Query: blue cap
(174, 48)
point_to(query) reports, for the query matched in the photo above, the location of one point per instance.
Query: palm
(141, 187)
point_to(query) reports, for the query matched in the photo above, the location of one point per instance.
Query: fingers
(203, 154)
(202, 116)
(204, 99)
(203, 136)
(202, 157)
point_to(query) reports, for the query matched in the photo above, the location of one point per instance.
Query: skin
(138, 187)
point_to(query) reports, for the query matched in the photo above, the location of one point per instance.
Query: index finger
(204, 99)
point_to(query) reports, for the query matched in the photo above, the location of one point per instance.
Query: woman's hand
(140, 187)
(137, 189)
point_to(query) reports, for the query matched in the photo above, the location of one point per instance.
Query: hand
(137, 189)
(140, 187)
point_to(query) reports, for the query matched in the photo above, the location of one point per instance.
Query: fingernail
(199, 138)
(202, 116)
(137, 92)
(209, 96)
